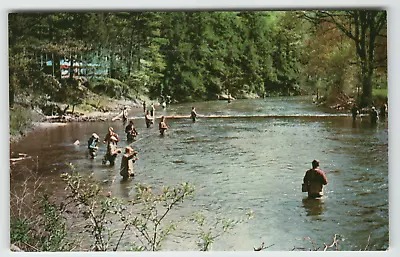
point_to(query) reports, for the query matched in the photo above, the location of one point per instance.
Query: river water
(246, 164)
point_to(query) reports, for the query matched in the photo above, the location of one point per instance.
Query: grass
(380, 92)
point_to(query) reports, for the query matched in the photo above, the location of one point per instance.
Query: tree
(362, 27)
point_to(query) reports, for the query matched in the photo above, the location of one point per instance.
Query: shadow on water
(314, 207)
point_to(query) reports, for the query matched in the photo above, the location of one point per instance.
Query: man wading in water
(314, 180)
(112, 151)
(162, 126)
(130, 131)
(127, 162)
(148, 119)
(193, 114)
(92, 145)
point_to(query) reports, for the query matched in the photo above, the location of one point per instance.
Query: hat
(373, 107)
(128, 149)
(113, 138)
(95, 135)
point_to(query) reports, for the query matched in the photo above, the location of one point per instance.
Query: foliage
(209, 231)
(19, 230)
(199, 55)
(72, 92)
(20, 120)
(100, 211)
(111, 87)
(363, 28)
(382, 92)
(36, 224)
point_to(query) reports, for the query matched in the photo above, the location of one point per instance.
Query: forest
(196, 55)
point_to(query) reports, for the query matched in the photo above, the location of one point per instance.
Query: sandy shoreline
(133, 108)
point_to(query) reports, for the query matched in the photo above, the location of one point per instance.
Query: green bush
(19, 230)
(381, 92)
(379, 96)
(20, 120)
(111, 87)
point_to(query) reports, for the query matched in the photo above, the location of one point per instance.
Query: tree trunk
(56, 65)
(112, 70)
(130, 52)
(11, 96)
(366, 97)
(71, 67)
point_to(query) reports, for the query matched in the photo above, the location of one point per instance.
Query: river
(246, 164)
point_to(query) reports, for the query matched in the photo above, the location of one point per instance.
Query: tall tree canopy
(363, 27)
(199, 55)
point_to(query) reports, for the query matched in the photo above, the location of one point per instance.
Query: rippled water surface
(247, 164)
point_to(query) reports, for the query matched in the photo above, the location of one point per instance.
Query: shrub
(20, 120)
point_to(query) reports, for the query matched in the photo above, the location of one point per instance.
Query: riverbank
(114, 108)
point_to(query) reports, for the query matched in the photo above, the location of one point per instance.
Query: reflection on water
(240, 165)
(125, 186)
(314, 206)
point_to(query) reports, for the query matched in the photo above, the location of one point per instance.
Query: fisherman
(193, 114)
(130, 131)
(229, 98)
(153, 110)
(374, 115)
(109, 134)
(148, 119)
(354, 112)
(144, 106)
(92, 145)
(162, 126)
(127, 161)
(112, 151)
(383, 111)
(314, 180)
(124, 115)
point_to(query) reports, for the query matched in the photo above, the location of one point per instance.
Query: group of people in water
(313, 181)
(314, 178)
(111, 139)
(374, 114)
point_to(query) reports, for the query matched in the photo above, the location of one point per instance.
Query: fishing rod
(141, 138)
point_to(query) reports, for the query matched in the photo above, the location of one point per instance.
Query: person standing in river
(144, 106)
(193, 114)
(354, 112)
(152, 110)
(109, 134)
(383, 111)
(112, 151)
(374, 115)
(148, 119)
(92, 145)
(162, 126)
(124, 115)
(130, 131)
(314, 181)
(127, 161)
